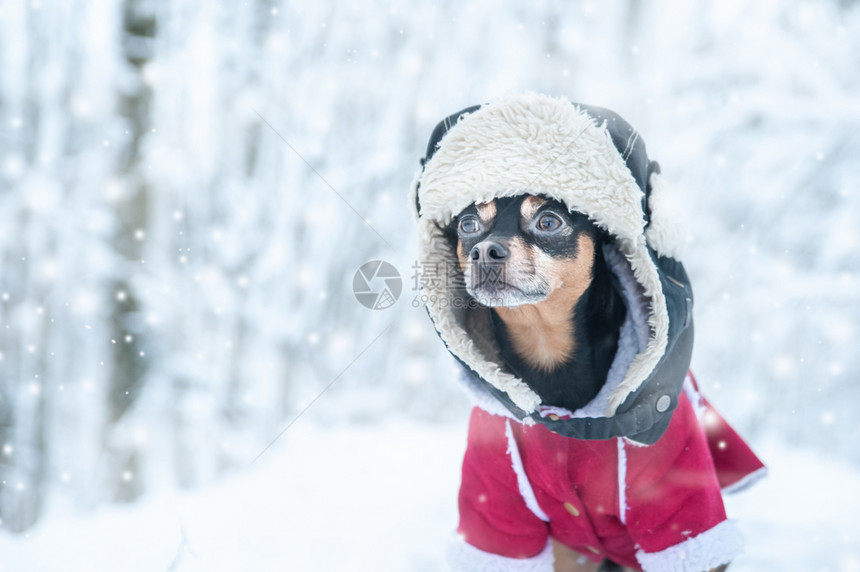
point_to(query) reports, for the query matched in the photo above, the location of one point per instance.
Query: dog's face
(519, 250)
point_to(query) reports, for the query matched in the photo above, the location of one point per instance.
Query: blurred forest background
(183, 183)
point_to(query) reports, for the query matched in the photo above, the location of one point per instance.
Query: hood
(595, 163)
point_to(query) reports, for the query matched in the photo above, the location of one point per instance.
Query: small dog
(555, 314)
(570, 312)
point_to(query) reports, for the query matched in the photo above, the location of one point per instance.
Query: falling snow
(176, 275)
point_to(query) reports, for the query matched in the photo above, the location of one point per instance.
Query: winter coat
(656, 507)
(634, 463)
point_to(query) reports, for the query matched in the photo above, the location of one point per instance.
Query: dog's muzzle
(493, 281)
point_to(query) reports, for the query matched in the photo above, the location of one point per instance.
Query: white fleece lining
(464, 557)
(536, 145)
(523, 483)
(745, 482)
(622, 481)
(666, 232)
(712, 548)
(483, 400)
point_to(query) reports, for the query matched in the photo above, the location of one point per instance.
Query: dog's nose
(489, 251)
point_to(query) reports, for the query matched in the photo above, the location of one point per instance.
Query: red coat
(656, 507)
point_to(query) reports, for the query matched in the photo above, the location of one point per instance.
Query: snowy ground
(383, 497)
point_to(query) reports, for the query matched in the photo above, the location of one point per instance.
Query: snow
(383, 497)
(175, 280)
(803, 516)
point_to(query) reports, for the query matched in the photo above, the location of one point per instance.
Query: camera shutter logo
(377, 285)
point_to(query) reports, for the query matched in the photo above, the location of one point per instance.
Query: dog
(554, 312)
(571, 315)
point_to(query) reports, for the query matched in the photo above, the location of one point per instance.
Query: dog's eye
(548, 222)
(469, 225)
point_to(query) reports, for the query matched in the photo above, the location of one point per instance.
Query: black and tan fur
(554, 311)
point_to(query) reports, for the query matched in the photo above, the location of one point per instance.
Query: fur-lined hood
(594, 162)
